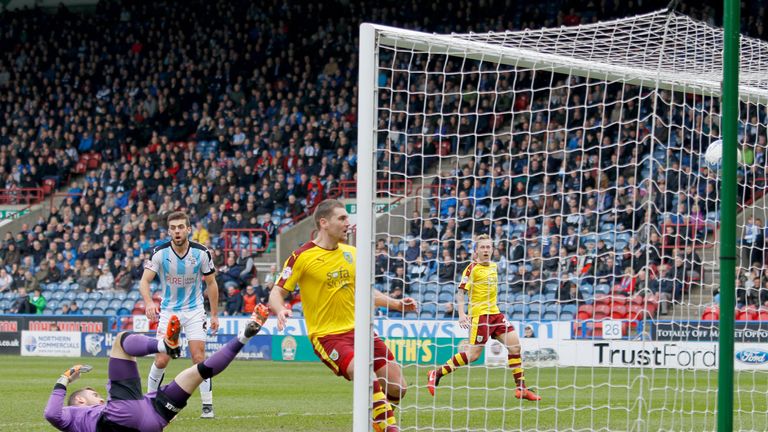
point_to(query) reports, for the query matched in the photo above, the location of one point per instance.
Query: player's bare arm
(213, 298)
(277, 304)
(464, 321)
(151, 309)
(403, 305)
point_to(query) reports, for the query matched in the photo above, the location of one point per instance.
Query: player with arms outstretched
(485, 320)
(127, 409)
(182, 267)
(324, 270)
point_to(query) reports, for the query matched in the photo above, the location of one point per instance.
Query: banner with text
(258, 348)
(709, 331)
(661, 355)
(50, 343)
(396, 328)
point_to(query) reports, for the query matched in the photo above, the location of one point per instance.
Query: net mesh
(579, 151)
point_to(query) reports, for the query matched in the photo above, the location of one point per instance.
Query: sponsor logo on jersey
(287, 272)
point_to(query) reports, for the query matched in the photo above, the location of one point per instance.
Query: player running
(480, 279)
(127, 409)
(324, 269)
(183, 266)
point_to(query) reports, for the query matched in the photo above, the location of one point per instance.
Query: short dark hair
(324, 210)
(77, 393)
(177, 215)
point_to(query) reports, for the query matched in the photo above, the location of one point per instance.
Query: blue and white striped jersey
(181, 277)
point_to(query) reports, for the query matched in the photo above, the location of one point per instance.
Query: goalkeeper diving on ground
(127, 409)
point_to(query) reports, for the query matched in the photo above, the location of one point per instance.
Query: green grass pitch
(270, 396)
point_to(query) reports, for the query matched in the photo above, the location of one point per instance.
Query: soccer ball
(714, 153)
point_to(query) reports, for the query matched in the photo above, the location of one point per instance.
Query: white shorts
(193, 324)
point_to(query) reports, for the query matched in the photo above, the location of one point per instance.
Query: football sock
(516, 364)
(156, 375)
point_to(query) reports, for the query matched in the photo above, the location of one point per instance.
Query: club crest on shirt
(334, 355)
(192, 261)
(479, 338)
(287, 272)
(348, 257)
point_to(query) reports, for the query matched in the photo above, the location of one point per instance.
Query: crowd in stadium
(244, 114)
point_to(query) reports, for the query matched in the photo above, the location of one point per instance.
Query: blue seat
(128, 304)
(95, 295)
(107, 295)
(101, 304)
(521, 298)
(297, 307)
(534, 315)
(445, 297)
(429, 307)
(123, 312)
(134, 295)
(58, 295)
(517, 316)
(48, 311)
(536, 298)
(115, 303)
(427, 315)
(586, 289)
(89, 304)
(566, 316)
(70, 296)
(97, 311)
(602, 289)
(122, 295)
(411, 315)
(551, 287)
(552, 308)
(549, 316)
(110, 311)
(83, 296)
(550, 297)
(74, 286)
(428, 297)
(570, 308)
(519, 307)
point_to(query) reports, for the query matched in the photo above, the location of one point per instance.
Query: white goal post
(666, 69)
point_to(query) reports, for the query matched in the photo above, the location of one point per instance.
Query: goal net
(580, 152)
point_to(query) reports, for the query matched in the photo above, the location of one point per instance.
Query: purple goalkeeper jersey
(71, 418)
(136, 414)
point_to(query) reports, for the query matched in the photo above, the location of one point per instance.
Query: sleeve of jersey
(290, 273)
(466, 278)
(58, 416)
(207, 266)
(154, 262)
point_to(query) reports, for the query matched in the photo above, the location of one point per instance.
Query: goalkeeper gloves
(73, 373)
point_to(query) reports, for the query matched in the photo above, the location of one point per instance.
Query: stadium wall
(418, 342)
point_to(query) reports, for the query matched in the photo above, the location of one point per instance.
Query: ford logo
(752, 356)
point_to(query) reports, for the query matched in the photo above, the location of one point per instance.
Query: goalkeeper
(485, 319)
(127, 409)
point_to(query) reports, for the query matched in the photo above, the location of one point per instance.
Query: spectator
(201, 234)
(528, 332)
(570, 294)
(234, 305)
(38, 301)
(74, 309)
(250, 300)
(22, 304)
(6, 280)
(106, 280)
